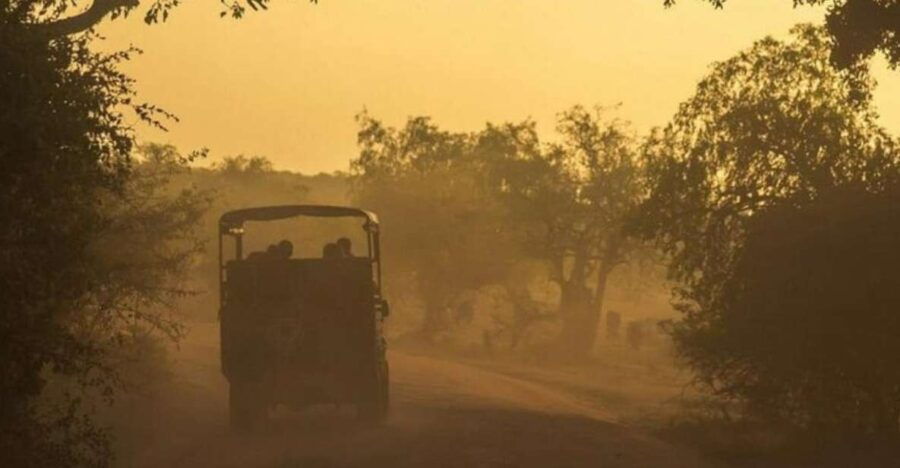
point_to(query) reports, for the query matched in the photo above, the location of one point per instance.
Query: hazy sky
(287, 83)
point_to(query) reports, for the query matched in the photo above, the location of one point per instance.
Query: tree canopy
(858, 28)
(57, 18)
(746, 189)
(428, 185)
(776, 122)
(572, 200)
(69, 191)
(465, 207)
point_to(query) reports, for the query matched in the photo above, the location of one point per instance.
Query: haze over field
(287, 83)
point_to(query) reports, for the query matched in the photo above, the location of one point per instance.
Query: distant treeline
(441, 269)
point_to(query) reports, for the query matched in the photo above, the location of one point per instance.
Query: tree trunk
(597, 303)
(579, 321)
(581, 308)
(574, 308)
(581, 316)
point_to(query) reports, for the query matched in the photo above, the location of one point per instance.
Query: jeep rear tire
(246, 407)
(373, 406)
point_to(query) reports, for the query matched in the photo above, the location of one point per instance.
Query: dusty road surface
(443, 414)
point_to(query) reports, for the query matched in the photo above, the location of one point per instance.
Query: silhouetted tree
(49, 19)
(806, 325)
(65, 147)
(858, 28)
(774, 129)
(573, 201)
(428, 186)
(90, 242)
(472, 204)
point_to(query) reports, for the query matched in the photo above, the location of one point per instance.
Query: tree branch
(83, 21)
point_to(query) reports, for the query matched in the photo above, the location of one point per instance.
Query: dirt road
(443, 414)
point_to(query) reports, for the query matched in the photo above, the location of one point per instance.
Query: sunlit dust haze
(286, 84)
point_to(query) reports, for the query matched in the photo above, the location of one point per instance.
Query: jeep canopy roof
(231, 225)
(237, 218)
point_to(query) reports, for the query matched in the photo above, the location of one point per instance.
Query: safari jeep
(301, 331)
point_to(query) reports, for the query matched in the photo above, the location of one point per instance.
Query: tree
(60, 146)
(149, 238)
(65, 146)
(573, 200)
(428, 187)
(858, 28)
(69, 191)
(50, 19)
(808, 319)
(769, 134)
(473, 205)
(239, 165)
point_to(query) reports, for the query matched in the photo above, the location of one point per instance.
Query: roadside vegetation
(768, 196)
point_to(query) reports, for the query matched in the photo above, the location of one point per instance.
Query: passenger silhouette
(267, 254)
(280, 251)
(284, 249)
(346, 247)
(255, 256)
(331, 251)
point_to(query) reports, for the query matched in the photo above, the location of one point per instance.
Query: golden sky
(286, 83)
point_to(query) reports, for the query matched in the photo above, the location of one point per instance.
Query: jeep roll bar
(231, 223)
(273, 213)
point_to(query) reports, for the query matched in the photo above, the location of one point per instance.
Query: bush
(805, 327)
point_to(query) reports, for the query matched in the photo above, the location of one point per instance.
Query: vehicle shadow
(443, 437)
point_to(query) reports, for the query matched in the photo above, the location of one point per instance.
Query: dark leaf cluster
(858, 28)
(74, 210)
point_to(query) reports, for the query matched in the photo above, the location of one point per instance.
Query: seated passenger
(281, 251)
(346, 247)
(256, 256)
(263, 255)
(284, 250)
(331, 251)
